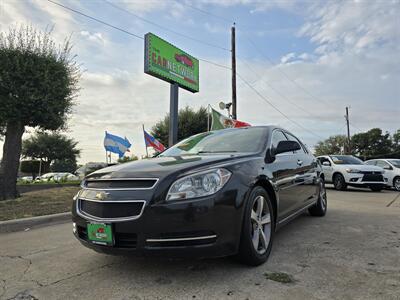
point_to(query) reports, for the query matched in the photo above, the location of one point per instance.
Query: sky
(299, 63)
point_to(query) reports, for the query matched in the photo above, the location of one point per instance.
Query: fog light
(73, 227)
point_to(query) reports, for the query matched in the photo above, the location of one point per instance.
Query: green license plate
(100, 233)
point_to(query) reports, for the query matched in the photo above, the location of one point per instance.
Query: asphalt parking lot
(352, 253)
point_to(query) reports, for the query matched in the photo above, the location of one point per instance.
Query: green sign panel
(169, 63)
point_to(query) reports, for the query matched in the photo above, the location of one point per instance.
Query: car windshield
(346, 160)
(247, 140)
(395, 162)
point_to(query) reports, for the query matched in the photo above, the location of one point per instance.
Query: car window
(323, 159)
(395, 162)
(346, 160)
(244, 140)
(277, 136)
(371, 162)
(382, 164)
(295, 139)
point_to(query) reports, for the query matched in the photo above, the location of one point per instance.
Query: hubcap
(322, 194)
(261, 224)
(397, 184)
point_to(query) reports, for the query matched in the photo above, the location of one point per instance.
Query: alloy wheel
(260, 224)
(322, 194)
(397, 184)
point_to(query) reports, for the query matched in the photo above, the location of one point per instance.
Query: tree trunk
(10, 162)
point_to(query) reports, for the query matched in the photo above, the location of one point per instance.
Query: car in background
(347, 170)
(65, 177)
(217, 193)
(25, 179)
(57, 177)
(392, 170)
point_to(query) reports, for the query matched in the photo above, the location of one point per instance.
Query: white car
(347, 170)
(392, 170)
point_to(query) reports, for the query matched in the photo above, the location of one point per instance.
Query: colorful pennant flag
(151, 141)
(219, 121)
(116, 144)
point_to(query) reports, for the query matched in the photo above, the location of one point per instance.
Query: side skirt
(286, 220)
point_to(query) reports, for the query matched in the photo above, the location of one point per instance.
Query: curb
(34, 222)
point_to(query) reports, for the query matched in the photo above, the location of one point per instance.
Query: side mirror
(287, 146)
(388, 168)
(326, 164)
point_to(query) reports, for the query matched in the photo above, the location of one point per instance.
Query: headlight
(199, 184)
(353, 171)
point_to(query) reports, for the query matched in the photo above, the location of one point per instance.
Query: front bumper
(359, 179)
(204, 227)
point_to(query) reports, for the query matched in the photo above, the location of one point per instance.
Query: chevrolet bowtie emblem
(101, 195)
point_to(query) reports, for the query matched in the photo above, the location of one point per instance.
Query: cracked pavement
(352, 253)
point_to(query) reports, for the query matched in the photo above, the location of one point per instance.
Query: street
(352, 253)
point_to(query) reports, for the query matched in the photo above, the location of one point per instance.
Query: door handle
(299, 162)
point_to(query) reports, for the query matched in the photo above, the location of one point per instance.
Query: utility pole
(173, 115)
(348, 130)
(233, 50)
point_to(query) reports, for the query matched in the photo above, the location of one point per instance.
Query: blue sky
(309, 59)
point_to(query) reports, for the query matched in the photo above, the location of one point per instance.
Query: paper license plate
(100, 233)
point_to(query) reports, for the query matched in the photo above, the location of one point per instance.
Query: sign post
(167, 62)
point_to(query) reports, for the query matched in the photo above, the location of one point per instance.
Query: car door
(306, 175)
(284, 169)
(327, 170)
(389, 174)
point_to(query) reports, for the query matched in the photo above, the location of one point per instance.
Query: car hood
(163, 166)
(366, 168)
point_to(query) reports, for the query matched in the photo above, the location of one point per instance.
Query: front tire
(376, 188)
(339, 182)
(396, 183)
(320, 208)
(257, 229)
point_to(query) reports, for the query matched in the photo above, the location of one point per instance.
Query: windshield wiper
(222, 151)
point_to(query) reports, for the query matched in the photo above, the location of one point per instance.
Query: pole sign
(167, 62)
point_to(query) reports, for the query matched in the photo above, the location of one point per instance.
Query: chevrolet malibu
(217, 193)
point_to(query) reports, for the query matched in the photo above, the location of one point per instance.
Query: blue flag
(116, 144)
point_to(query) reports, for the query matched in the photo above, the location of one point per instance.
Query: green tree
(54, 149)
(127, 159)
(372, 143)
(190, 122)
(38, 83)
(333, 145)
(396, 140)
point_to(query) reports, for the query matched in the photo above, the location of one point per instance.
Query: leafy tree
(396, 140)
(190, 122)
(372, 143)
(333, 145)
(38, 83)
(32, 167)
(127, 159)
(54, 149)
(67, 165)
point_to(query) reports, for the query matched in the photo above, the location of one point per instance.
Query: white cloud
(286, 58)
(94, 37)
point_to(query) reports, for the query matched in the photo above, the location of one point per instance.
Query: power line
(206, 12)
(276, 108)
(278, 92)
(95, 19)
(165, 28)
(126, 31)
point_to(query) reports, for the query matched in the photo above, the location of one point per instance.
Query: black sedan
(214, 194)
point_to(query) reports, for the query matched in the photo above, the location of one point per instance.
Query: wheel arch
(337, 173)
(267, 185)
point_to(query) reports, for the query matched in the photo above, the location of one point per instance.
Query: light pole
(226, 106)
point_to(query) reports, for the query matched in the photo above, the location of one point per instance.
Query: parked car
(214, 194)
(64, 176)
(25, 179)
(347, 170)
(45, 177)
(392, 170)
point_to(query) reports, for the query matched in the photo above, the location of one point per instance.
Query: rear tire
(396, 183)
(257, 229)
(339, 182)
(376, 188)
(319, 209)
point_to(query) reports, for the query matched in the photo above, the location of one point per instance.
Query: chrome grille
(120, 183)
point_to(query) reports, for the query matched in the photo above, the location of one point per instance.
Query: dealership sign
(169, 63)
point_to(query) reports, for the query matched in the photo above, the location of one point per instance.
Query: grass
(38, 203)
(279, 277)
